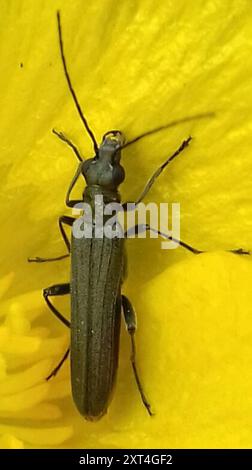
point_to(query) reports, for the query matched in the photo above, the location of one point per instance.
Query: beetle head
(105, 169)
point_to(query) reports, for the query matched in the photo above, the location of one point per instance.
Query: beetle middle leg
(130, 320)
(62, 137)
(156, 174)
(64, 219)
(145, 227)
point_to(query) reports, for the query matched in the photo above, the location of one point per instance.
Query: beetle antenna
(170, 124)
(71, 87)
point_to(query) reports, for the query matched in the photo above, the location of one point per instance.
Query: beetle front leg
(130, 320)
(67, 141)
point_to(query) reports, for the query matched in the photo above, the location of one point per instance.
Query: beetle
(98, 271)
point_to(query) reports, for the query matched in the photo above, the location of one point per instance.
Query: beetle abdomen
(95, 322)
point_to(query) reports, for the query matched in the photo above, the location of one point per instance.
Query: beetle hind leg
(130, 320)
(57, 289)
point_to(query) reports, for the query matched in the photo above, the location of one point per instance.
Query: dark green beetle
(97, 272)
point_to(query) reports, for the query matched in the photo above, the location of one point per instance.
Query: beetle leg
(130, 320)
(72, 202)
(158, 172)
(58, 367)
(240, 251)
(69, 143)
(57, 289)
(64, 219)
(145, 227)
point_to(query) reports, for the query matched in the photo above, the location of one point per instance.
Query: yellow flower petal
(5, 283)
(7, 441)
(60, 388)
(39, 437)
(25, 379)
(24, 392)
(26, 399)
(43, 412)
(21, 345)
(30, 305)
(134, 66)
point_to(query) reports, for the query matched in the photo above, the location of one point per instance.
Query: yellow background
(135, 65)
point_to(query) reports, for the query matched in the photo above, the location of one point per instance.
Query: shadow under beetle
(97, 272)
